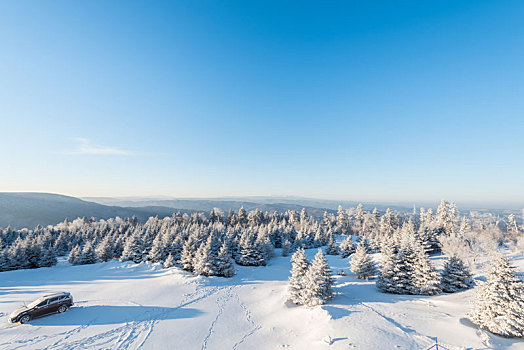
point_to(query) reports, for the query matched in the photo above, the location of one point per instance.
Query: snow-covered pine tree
(499, 302)
(346, 247)
(456, 275)
(87, 256)
(4, 260)
(204, 261)
(158, 250)
(362, 265)
(74, 254)
(224, 263)
(250, 253)
(48, 257)
(133, 249)
(318, 281)
(386, 282)
(169, 262)
(286, 247)
(188, 254)
(425, 279)
(403, 271)
(104, 250)
(331, 248)
(299, 268)
(61, 244)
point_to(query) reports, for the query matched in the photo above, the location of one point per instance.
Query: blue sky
(400, 100)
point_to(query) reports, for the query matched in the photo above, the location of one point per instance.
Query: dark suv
(48, 304)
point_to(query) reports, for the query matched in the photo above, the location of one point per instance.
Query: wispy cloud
(84, 146)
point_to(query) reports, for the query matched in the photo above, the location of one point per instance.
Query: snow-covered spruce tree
(250, 253)
(204, 261)
(299, 268)
(362, 265)
(346, 247)
(499, 302)
(425, 279)
(133, 249)
(386, 282)
(286, 247)
(158, 250)
(48, 257)
(331, 248)
(74, 254)
(87, 256)
(224, 263)
(318, 281)
(169, 262)
(456, 275)
(61, 244)
(4, 260)
(104, 250)
(188, 254)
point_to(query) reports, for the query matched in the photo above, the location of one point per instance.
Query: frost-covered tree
(362, 265)
(48, 257)
(158, 250)
(455, 276)
(87, 256)
(346, 247)
(297, 284)
(331, 248)
(74, 254)
(224, 263)
(318, 281)
(104, 250)
(499, 302)
(250, 253)
(204, 261)
(134, 249)
(169, 262)
(188, 254)
(425, 279)
(286, 247)
(386, 282)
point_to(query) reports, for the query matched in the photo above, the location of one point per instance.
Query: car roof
(55, 295)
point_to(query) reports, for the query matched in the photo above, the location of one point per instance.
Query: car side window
(53, 300)
(43, 303)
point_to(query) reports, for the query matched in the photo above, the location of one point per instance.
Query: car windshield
(34, 303)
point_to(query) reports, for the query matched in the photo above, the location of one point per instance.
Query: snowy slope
(128, 306)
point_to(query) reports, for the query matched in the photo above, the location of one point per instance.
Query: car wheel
(25, 319)
(62, 308)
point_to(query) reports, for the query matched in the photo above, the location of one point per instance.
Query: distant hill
(205, 205)
(25, 209)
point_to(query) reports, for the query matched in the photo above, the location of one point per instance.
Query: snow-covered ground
(127, 306)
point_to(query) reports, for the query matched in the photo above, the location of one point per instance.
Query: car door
(53, 304)
(41, 309)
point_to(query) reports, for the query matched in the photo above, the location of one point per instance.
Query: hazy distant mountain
(205, 205)
(30, 209)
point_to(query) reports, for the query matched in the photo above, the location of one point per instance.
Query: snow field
(128, 306)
